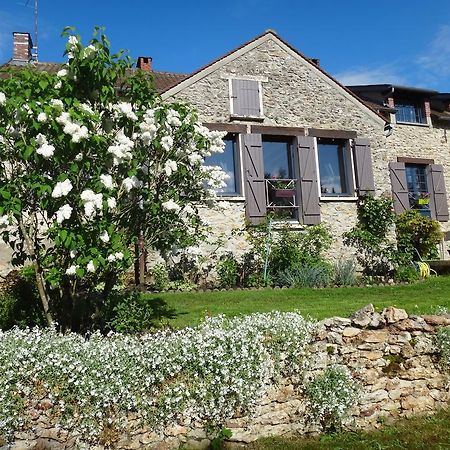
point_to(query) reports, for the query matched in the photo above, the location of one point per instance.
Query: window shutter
(255, 184)
(362, 156)
(309, 186)
(399, 186)
(438, 194)
(245, 98)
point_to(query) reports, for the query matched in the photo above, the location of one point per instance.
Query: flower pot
(284, 193)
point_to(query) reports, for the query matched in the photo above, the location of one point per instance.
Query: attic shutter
(399, 186)
(245, 98)
(362, 155)
(309, 189)
(438, 194)
(255, 184)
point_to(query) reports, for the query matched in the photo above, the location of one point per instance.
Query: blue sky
(358, 41)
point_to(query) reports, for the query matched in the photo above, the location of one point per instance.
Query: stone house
(302, 146)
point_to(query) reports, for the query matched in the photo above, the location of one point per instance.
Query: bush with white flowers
(91, 159)
(330, 395)
(207, 373)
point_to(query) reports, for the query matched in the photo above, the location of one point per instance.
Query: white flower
(4, 221)
(42, 117)
(62, 73)
(131, 182)
(86, 108)
(124, 109)
(107, 181)
(170, 205)
(56, 103)
(111, 258)
(170, 166)
(58, 85)
(119, 256)
(46, 150)
(72, 270)
(78, 156)
(167, 143)
(111, 203)
(41, 139)
(2, 98)
(195, 158)
(73, 40)
(63, 213)
(188, 209)
(90, 267)
(73, 253)
(62, 188)
(121, 148)
(92, 202)
(104, 237)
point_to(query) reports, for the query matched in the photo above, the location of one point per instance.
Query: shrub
(314, 276)
(406, 274)
(208, 372)
(161, 280)
(19, 300)
(331, 395)
(370, 236)
(344, 272)
(417, 233)
(228, 272)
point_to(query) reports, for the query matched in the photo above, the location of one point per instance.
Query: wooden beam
(228, 127)
(278, 131)
(408, 160)
(334, 134)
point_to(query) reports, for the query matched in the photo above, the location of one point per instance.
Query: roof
(194, 76)
(161, 80)
(387, 88)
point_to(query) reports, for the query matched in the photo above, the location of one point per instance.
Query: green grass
(419, 433)
(182, 309)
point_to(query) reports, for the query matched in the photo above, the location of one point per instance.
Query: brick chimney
(144, 63)
(22, 45)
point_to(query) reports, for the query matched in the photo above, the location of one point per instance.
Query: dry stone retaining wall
(393, 355)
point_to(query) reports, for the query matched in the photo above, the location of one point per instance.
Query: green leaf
(43, 84)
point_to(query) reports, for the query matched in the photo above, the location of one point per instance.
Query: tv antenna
(34, 50)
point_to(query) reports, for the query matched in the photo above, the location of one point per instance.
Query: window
(280, 176)
(228, 160)
(417, 183)
(335, 167)
(246, 99)
(410, 112)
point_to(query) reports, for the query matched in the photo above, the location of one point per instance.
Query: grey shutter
(399, 186)
(245, 97)
(438, 194)
(255, 184)
(362, 156)
(309, 186)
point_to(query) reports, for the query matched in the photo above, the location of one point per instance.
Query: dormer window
(409, 112)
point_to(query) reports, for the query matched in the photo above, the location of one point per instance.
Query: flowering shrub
(92, 159)
(443, 344)
(207, 373)
(331, 394)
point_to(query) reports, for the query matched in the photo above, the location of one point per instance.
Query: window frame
(349, 167)
(417, 105)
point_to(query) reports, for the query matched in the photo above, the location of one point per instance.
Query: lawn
(413, 434)
(180, 309)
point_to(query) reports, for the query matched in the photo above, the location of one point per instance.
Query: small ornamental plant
(331, 395)
(443, 345)
(92, 159)
(206, 373)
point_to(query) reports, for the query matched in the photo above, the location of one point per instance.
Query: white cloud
(371, 75)
(436, 60)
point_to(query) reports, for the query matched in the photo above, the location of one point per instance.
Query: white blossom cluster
(330, 396)
(76, 130)
(205, 373)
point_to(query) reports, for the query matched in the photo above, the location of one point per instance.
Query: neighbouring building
(304, 147)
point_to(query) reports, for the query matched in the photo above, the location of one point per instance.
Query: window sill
(415, 124)
(338, 199)
(247, 118)
(230, 198)
(292, 224)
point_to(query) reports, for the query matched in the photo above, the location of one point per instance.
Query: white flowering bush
(91, 159)
(330, 396)
(206, 373)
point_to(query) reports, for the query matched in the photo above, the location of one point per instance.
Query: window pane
(333, 180)
(409, 113)
(416, 180)
(276, 159)
(228, 162)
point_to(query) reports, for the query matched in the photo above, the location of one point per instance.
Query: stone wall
(392, 355)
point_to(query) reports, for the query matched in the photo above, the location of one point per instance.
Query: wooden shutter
(438, 194)
(245, 98)
(362, 157)
(255, 184)
(399, 186)
(309, 186)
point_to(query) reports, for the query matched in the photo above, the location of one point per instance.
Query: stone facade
(393, 356)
